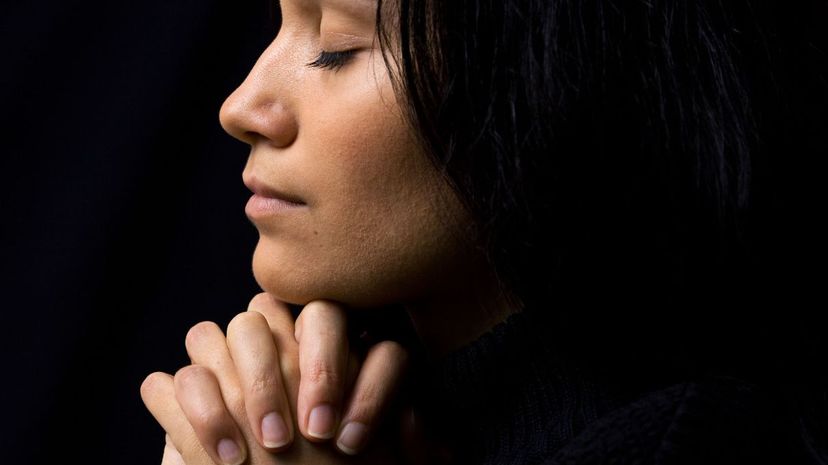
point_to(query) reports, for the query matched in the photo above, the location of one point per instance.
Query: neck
(450, 320)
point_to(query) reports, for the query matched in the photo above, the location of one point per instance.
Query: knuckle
(150, 384)
(364, 407)
(245, 322)
(392, 351)
(322, 310)
(367, 397)
(313, 309)
(263, 384)
(201, 332)
(190, 374)
(320, 373)
(259, 300)
(207, 417)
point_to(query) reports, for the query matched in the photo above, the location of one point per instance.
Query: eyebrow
(356, 8)
(344, 3)
(360, 10)
(353, 4)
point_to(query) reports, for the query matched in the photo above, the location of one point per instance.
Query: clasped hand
(247, 393)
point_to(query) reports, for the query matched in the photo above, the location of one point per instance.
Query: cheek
(390, 260)
(364, 149)
(384, 223)
(370, 241)
(382, 229)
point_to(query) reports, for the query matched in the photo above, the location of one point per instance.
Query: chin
(282, 282)
(279, 275)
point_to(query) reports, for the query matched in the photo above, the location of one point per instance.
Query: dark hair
(640, 174)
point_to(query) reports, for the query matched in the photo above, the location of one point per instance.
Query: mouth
(259, 189)
(268, 202)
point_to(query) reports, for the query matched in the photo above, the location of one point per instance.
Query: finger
(280, 320)
(158, 394)
(376, 386)
(207, 346)
(278, 317)
(323, 363)
(171, 455)
(256, 357)
(199, 396)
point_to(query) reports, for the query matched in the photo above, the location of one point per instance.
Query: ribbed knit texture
(506, 401)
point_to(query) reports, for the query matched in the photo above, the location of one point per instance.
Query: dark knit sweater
(504, 402)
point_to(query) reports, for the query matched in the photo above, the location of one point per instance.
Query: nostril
(251, 137)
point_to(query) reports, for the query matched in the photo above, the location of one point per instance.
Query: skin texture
(379, 219)
(192, 406)
(372, 223)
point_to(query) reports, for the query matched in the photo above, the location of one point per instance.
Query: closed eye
(332, 60)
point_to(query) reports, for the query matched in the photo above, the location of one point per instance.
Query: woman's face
(371, 222)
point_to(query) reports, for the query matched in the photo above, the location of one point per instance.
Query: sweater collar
(506, 398)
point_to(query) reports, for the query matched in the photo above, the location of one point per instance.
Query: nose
(260, 108)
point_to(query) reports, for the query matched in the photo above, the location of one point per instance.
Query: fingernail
(321, 422)
(274, 430)
(229, 452)
(352, 438)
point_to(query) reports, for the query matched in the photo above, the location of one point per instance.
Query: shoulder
(710, 421)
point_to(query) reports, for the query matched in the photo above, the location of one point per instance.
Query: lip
(267, 201)
(262, 190)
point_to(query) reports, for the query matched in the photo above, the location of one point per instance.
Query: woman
(584, 208)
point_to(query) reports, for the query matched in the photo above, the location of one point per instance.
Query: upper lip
(257, 187)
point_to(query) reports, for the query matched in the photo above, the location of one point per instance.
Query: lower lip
(259, 206)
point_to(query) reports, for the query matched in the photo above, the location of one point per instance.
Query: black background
(122, 211)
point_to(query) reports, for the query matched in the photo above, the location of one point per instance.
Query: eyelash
(332, 60)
